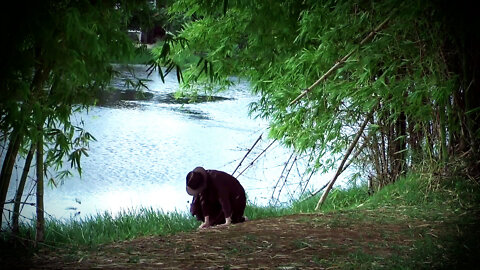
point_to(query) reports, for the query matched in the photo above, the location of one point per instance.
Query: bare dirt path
(302, 241)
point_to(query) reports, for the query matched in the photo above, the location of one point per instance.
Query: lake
(144, 150)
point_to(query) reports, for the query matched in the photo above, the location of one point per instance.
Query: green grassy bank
(418, 201)
(419, 195)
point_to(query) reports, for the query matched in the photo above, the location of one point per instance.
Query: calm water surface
(144, 150)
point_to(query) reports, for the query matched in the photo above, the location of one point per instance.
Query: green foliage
(425, 191)
(57, 59)
(282, 47)
(141, 56)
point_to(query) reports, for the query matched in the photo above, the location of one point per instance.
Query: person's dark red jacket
(221, 196)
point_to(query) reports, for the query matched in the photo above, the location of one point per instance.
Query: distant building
(135, 35)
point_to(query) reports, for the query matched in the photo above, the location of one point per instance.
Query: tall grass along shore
(421, 194)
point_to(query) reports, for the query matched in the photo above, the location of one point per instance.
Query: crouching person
(218, 197)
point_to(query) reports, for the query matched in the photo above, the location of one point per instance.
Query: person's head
(196, 181)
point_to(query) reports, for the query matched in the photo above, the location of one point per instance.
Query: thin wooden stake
(251, 163)
(281, 175)
(316, 192)
(344, 168)
(249, 150)
(345, 158)
(286, 178)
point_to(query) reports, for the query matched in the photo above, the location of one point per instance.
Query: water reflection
(144, 150)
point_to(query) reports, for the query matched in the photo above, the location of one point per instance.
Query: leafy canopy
(282, 47)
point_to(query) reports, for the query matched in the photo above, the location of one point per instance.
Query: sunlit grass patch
(105, 228)
(253, 211)
(337, 199)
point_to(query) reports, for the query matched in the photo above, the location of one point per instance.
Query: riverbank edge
(428, 199)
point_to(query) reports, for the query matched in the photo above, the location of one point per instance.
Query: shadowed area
(113, 98)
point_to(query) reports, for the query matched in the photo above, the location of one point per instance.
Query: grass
(446, 213)
(442, 215)
(337, 199)
(104, 228)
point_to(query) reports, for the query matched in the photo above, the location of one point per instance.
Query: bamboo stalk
(308, 181)
(40, 222)
(7, 168)
(349, 151)
(305, 184)
(357, 153)
(21, 187)
(316, 192)
(344, 168)
(340, 62)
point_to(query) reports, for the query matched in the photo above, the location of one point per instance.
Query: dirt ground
(302, 241)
